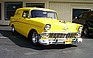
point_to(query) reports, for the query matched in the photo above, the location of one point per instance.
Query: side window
(25, 14)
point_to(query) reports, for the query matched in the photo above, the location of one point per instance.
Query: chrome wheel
(34, 37)
(13, 29)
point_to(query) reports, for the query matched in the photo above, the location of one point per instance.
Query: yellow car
(42, 26)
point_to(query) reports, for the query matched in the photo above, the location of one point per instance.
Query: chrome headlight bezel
(47, 27)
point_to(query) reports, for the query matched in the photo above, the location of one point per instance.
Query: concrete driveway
(17, 46)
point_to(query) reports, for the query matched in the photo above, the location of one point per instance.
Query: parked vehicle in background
(86, 19)
(43, 27)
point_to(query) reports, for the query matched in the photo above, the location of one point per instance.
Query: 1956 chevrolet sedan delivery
(42, 26)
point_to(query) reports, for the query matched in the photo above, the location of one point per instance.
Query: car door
(23, 22)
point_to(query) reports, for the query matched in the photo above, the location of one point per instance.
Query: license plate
(68, 41)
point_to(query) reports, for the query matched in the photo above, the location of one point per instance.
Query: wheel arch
(32, 30)
(12, 25)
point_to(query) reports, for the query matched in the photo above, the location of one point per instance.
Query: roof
(34, 8)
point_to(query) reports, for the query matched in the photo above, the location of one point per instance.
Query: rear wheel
(13, 29)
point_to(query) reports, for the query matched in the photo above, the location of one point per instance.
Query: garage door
(65, 10)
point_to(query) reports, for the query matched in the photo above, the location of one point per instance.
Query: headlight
(47, 27)
(80, 28)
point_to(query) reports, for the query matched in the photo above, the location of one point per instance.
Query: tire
(85, 32)
(13, 29)
(33, 36)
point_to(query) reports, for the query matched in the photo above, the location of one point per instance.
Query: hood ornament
(65, 28)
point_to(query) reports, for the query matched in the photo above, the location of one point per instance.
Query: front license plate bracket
(68, 42)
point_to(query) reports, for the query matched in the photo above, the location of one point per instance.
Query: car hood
(59, 26)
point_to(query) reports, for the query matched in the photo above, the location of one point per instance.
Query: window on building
(0, 11)
(77, 12)
(40, 5)
(10, 8)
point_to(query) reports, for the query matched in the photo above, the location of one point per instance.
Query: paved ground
(17, 46)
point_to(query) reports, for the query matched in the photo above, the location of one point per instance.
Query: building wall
(71, 0)
(63, 7)
(6, 22)
(63, 10)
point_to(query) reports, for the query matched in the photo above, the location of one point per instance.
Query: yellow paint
(24, 25)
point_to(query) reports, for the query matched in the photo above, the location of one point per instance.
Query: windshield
(90, 15)
(43, 14)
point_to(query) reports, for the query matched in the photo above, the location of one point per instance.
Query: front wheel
(33, 36)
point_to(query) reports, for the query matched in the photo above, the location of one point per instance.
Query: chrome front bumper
(59, 38)
(49, 42)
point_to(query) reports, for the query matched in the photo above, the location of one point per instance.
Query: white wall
(73, 0)
(65, 10)
(6, 22)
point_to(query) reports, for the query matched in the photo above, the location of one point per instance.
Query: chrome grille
(62, 35)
